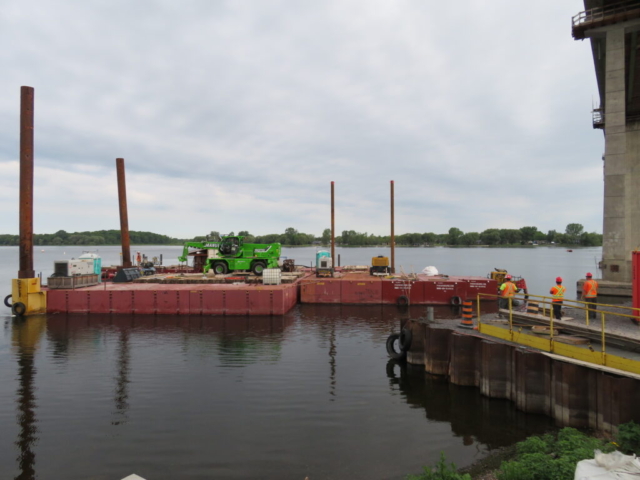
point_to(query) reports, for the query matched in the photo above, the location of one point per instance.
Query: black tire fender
(6, 301)
(455, 301)
(18, 309)
(406, 336)
(402, 301)
(391, 350)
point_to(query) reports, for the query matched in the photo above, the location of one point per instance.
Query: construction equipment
(324, 264)
(380, 266)
(499, 275)
(231, 254)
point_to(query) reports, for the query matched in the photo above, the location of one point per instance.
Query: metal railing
(545, 303)
(599, 14)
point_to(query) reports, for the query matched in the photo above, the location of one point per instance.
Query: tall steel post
(124, 218)
(26, 183)
(393, 236)
(333, 226)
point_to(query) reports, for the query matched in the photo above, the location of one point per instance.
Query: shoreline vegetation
(573, 236)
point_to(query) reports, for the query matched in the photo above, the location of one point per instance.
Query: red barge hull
(252, 299)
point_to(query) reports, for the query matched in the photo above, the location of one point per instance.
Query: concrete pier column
(465, 364)
(620, 218)
(437, 349)
(532, 382)
(495, 369)
(415, 354)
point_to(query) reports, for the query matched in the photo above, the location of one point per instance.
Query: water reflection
(122, 379)
(473, 417)
(25, 337)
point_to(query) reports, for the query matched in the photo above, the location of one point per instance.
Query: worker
(138, 258)
(590, 294)
(507, 290)
(557, 293)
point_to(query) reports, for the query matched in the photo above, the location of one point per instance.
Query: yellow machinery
(26, 297)
(380, 266)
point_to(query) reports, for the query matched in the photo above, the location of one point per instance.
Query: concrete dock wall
(574, 395)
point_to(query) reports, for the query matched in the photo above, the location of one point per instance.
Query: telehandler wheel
(7, 303)
(258, 268)
(220, 268)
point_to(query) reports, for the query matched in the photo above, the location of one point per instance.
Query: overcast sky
(236, 115)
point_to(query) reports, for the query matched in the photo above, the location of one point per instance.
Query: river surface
(310, 393)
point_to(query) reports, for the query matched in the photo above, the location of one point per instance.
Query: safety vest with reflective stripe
(558, 293)
(508, 289)
(590, 289)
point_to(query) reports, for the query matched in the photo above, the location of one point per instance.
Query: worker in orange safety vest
(557, 293)
(507, 290)
(590, 294)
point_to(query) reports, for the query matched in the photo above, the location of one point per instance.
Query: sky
(237, 115)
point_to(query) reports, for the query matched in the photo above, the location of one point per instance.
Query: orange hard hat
(558, 279)
(589, 275)
(508, 277)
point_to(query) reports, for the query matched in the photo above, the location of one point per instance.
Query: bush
(629, 438)
(441, 471)
(551, 457)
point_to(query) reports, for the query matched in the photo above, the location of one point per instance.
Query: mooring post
(124, 218)
(393, 238)
(333, 225)
(26, 183)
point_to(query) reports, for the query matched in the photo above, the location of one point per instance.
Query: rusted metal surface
(393, 237)
(26, 183)
(333, 226)
(175, 299)
(124, 217)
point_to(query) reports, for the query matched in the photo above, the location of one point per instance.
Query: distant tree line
(574, 234)
(100, 237)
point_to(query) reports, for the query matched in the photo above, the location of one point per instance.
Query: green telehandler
(231, 253)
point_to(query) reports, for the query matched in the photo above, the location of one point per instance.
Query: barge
(231, 295)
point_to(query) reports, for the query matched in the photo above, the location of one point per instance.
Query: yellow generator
(380, 266)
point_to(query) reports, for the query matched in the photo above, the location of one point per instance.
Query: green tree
(491, 236)
(454, 236)
(470, 238)
(326, 236)
(573, 232)
(528, 233)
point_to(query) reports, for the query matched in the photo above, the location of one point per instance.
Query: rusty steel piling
(393, 237)
(26, 183)
(333, 226)
(124, 218)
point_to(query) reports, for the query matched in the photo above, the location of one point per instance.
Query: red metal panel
(321, 291)
(213, 302)
(144, 302)
(635, 286)
(279, 301)
(363, 291)
(392, 290)
(167, 302)
(99, 301)
(121, 301)
(481, 285)
(195, 302)
(78, 301)
(183, 302)
(260, 301)
(56, 301)
(237, 302)
(441, 292)
(291, 296)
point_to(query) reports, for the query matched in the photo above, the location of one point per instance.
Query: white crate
(271, 276)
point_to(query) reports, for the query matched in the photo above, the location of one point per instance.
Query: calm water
(308, 394)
